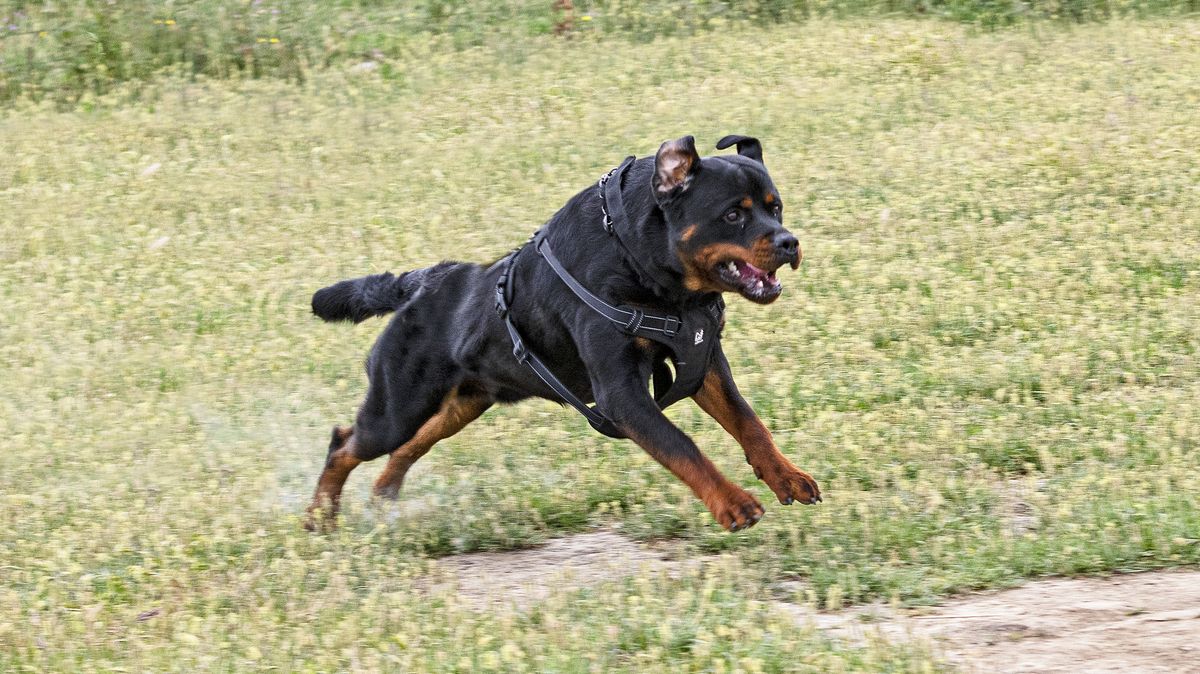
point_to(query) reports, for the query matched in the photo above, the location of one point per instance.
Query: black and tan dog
(689, 229)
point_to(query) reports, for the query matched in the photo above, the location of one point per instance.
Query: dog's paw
(320, 518)
(318, 524)
(735, 508)
(386, 492)
(791, 485)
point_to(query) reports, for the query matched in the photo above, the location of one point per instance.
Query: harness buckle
(502, 288)
(671, 325)
(501, 305)
(520, 352)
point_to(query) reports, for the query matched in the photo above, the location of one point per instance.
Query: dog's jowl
(627, 277)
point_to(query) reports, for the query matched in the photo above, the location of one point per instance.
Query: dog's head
(725, 218)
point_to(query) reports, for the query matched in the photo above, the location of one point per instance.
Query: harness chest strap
(632, 321)
(690, 349)
(503, 301)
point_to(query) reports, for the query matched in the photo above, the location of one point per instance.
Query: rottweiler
(621, 286)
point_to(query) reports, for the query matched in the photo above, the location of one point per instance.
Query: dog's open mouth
(753, 283)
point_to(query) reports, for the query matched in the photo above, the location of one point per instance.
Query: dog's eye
(777, 212)
(733, 216)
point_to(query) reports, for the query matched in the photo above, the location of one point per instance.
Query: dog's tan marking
(689, 232)
(698, 266)
(456, 412)
(338, 465)
(722, 402)
(769, 198)
(730, 505)
(747, 202)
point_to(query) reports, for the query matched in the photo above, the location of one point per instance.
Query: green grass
(999, 295)
(65, 51)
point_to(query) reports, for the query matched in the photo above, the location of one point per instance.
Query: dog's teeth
(731, 266)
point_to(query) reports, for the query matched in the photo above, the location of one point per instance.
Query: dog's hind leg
(339, 462)
(458, 409)
(402, 398)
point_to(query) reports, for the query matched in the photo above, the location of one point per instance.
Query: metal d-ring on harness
(690, 345)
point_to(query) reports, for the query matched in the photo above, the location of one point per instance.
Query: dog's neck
(639, 245)
(641, 234)
(645, 277)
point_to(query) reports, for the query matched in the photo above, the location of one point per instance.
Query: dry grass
(1000, 292)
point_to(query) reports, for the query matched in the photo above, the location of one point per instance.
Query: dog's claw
(734, 508)
(792, 485)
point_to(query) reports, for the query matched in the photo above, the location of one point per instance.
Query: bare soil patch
(518, 578)
(1145, 622)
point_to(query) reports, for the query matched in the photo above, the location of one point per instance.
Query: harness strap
(612, 204)
(633, 322)
(598, 421)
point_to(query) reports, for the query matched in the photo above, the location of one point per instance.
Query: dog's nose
(786, 245)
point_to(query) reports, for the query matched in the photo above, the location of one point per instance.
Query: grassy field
(64, 51)
(999, 307)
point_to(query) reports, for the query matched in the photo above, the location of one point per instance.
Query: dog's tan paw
(735, 508)
(791, 485)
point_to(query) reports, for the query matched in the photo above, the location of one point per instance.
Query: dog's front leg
(631, 408)
(719, 397)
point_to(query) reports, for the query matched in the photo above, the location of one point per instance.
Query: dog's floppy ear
(747, 146)
(674, 166)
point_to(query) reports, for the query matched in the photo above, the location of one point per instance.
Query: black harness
(690, 336)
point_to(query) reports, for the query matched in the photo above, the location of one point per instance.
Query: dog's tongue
(756, 281)
(753, 276)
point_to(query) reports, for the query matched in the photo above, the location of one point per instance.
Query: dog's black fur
(445, 356)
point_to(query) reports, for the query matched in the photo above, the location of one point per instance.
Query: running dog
(627, 277)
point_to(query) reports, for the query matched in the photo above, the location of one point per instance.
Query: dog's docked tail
(360, 298)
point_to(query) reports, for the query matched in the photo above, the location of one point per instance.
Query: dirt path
(489, 579)
(1146, 622)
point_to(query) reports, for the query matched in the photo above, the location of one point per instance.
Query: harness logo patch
(699, 337)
